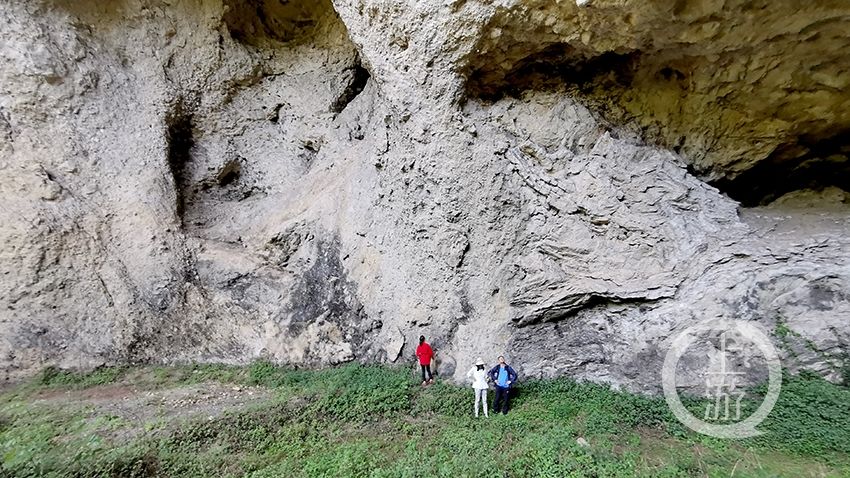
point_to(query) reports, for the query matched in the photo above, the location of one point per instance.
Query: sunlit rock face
(570, 184)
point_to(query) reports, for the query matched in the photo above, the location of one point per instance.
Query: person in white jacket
(479, 385)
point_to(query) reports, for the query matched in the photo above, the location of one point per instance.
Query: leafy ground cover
(375, 421)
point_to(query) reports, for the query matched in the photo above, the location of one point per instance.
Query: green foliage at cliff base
(376, 421)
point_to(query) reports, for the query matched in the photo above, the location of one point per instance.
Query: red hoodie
(424, 353)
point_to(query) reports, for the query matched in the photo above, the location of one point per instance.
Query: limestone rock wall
(320, 182)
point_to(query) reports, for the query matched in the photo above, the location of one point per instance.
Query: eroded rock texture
(316, 182)
(728, 84)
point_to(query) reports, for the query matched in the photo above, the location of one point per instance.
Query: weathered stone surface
(316, 183)
(728, 84)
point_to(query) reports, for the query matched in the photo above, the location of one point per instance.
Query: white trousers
(481, 397)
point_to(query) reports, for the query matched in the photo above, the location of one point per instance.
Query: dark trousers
(426, 368)
(502, 396)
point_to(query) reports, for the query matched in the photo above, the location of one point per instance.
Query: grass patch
(55, 377)
(376, 421)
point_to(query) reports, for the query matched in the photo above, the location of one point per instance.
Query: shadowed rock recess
(314, 183)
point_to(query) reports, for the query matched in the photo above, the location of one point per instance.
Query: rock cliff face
(570, 183)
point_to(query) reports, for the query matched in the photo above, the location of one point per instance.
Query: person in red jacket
(425, 353)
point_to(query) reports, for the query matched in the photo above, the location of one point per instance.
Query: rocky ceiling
(752, 93)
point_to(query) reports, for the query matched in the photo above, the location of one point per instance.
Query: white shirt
(479, 378)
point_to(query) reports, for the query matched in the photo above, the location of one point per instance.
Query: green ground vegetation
(376, 421)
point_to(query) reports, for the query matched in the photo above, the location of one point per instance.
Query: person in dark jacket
(502, 376)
